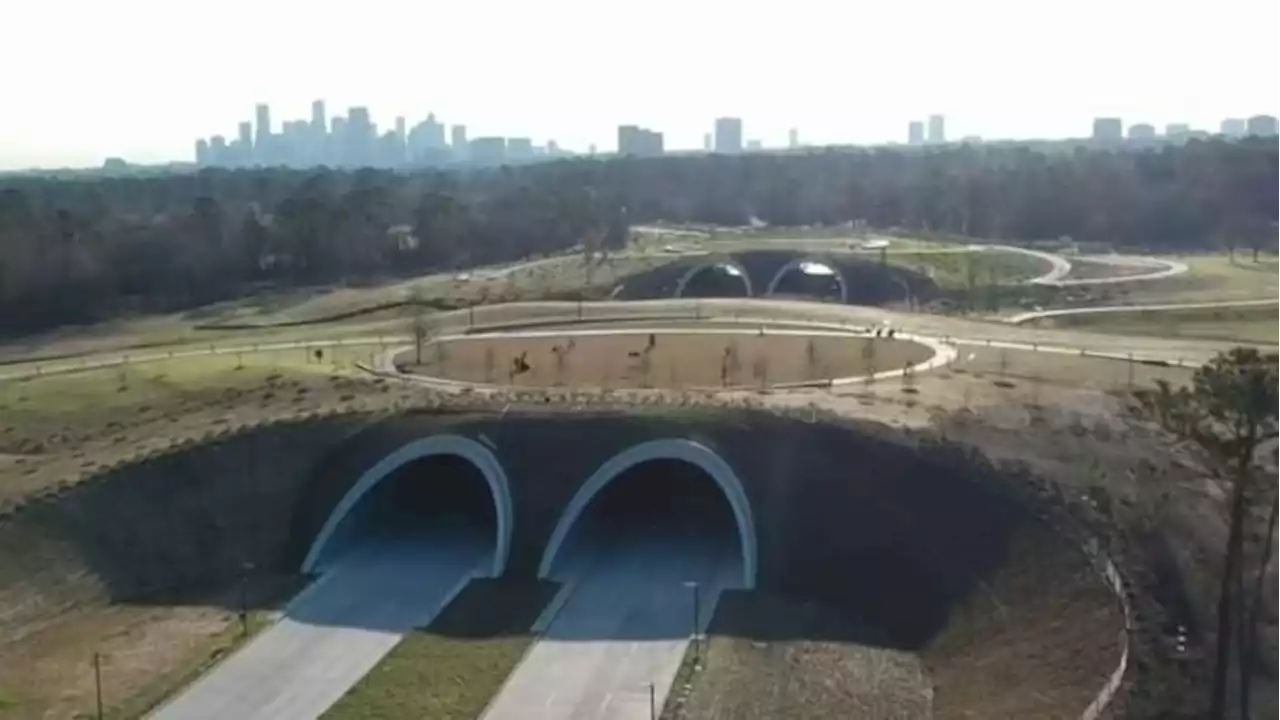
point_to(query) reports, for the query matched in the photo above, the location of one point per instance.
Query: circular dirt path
(664, 358)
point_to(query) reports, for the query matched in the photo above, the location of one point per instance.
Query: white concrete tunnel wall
(666, 449)
(795, 265)
(447, 444)
(693, 271)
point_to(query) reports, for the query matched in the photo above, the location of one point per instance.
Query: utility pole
(653, 703)
(97, 681)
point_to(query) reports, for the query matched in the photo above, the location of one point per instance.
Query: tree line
(81, 249)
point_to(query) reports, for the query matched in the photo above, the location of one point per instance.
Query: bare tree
(869, 355)
(811, 359)
(760, 370)
(1230, 411)
(562, 356)
(418, 323)
(488, 364)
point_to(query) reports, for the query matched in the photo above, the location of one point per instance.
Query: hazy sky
(87, 79)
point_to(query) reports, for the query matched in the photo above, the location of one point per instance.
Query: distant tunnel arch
(666, 449)
(732, 267)
(798, 264)
(446, 444)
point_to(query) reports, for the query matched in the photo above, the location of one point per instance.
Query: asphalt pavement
(625, 625)
(337, 629)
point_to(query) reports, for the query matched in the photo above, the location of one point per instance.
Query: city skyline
(986, 67)
(356, 139)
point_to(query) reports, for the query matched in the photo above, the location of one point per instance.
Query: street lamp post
(697, 648)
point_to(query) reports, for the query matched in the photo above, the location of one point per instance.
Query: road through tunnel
(649, 541)
(721, 279)
(443, 490)
(810, 278)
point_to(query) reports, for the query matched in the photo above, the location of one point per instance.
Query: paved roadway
(626, 624)
(1158, 269)
(336, 630)
(1029, 316)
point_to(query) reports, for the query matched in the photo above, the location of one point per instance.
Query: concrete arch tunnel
(799, 264)
(728, 265)
(478, 455)
(680, 449)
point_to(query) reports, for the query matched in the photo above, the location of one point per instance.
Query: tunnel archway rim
(721, 262)
(816, 260)
(684, 449)
(443, 444)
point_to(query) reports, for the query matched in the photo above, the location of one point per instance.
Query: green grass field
(451, 669)
(1248, 324)
(1209, 278)
(952, 270)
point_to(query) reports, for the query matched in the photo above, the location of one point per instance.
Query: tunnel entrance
(673, 505)
(666, 514)
(447, 491)
(439, 499)
(715, 280)
(809, 279)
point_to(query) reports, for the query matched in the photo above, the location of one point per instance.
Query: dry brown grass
(147, 653)
(1038, 641)
(769, 656)
(676, 360)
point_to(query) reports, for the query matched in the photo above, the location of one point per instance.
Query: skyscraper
(793, 138)
(317, 152)
(262, 134)
(1142, 132)
(915, 132)
(728, 135)
(218, 150)
(1233, 127)
(937, 129)
(706, 141)
(426, 142)
(1177, 131)
(245, 137)
(1261, 125)
(638, 141)
(458, 141)
(318, 120)
(519, 149)
(262, 113)
(1108, 129)
(402, 140)
(362, 137)
(488, 150)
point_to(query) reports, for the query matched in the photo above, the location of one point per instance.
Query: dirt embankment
(162, 530)
(914, 539)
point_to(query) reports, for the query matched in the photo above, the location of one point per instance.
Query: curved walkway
(943, 351)
(1158, 268)
(741, 311)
